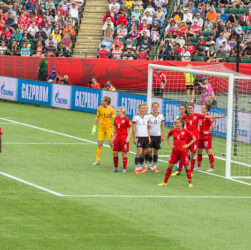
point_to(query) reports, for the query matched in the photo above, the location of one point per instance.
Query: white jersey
(155, 124)
(141, 125)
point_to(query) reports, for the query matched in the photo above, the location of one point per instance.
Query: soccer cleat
(115, 170)
(96, 163)
(176, 173)
(155, 170)
(211, 170)
(151, 167)
(190, 185)
(198, 169)
(144, 170)
(124, 171)
(162, 184)
(176, 169)
(139, 171)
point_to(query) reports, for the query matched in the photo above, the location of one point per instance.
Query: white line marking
(31, 184)
(105, 145)
(7, 123)
(157, 196)
(45, 143)
(242, 182)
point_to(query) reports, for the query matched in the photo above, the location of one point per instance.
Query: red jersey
(192, 122)
(180, 138)
(204, 125)
(103, 53)
(159, 80)
(121, 125)
(23, 23)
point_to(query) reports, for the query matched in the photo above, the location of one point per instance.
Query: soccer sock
(189, 177)
(211, 159)
(193, 160)
(98, 153)
(199, 159)
(116, 161)
(167, 175)
(147, 159)
(141, 162)
(124, 162)
(180, 167)
(150, 160)
(136, 162)
(155, 160)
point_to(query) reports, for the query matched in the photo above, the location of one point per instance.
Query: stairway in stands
(90, 31)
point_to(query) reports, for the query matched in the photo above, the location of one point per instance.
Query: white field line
(31, 184)
(45, 143)
(159, 196)
(92, 142)
(7, 123)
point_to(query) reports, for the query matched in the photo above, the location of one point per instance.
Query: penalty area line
(31, 184)
(158, 196)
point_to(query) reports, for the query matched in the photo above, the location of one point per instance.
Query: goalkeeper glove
(94, 129)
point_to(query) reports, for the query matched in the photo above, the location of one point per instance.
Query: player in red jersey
(179, 152)
(121, 138)
(192, 122)
(206, 126)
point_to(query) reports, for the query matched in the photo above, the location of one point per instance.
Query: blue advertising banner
(34, 92)
(130, 103)
(85, 99)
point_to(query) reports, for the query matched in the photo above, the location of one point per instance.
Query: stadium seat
(198, 58)
(245, 60)
(232, 59)
(241, 11)
(193, 39)
(206, 33)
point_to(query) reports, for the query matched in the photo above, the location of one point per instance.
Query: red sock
(116, 161)
(199, 159)
(211, 159)
(192, 164)
(180, 167)
(189, 177)
(124, 163)
(168, 173)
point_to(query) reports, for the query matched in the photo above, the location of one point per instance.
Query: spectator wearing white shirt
(200, 21)
(185, 55)
(74, 10)
(188, 17)
(150, 9)
(226, 48)
(148, 18)
(114, 5)
(122, 31)
(220, 40)
(33, 29)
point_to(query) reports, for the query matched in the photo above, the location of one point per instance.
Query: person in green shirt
(43, 69)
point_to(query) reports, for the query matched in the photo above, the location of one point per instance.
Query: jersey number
(191, 122)
(155, 122)
(119, 125)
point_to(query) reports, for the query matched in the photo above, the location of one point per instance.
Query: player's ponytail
(107, 99)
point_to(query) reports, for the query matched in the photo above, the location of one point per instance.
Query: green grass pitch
(212, 215)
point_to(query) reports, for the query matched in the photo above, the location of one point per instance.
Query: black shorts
(155, 142)
(142, 142)
(190, 87)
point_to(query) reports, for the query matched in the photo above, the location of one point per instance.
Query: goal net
(232, 135)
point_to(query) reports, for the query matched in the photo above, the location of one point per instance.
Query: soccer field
(51, 197)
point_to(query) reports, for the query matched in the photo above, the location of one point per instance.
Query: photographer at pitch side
(208, 96)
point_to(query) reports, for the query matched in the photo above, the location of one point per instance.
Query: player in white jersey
(157, 134)
(141, 136)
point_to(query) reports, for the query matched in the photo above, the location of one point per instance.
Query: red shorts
(181, 156)
(193, 148)
(120, 146)
(205, 143)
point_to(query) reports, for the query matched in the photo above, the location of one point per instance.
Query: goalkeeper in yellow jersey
(106, 115)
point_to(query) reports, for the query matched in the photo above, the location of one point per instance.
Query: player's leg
(210, 154)
(192, 98)
(145, 147)
(188, 95)
(109, 133)
(125, 160)
(193, 150)
(115, 161)
(101, 137)
(199, 155)
(138, 160)
(184, 158)
(189, 175)
(155, 159)
(147, 157)
(150, 153)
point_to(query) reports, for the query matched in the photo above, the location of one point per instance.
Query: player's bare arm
(169, 143)
(162, 131)
(129, 135)
(134, 133)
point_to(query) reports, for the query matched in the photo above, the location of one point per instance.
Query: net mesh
(169, 87)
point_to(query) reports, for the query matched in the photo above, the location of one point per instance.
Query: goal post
(178, 72)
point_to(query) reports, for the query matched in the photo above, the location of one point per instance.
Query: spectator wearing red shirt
(62, 11)
(122, 19)
(103, 53)
(108, 14)
(143, 24)
(94, 84)
(22, 22)
(7, 33)
(190, 47)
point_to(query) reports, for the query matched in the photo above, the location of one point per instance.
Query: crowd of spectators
(208, 31)
(131, 28)
(33, 27)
